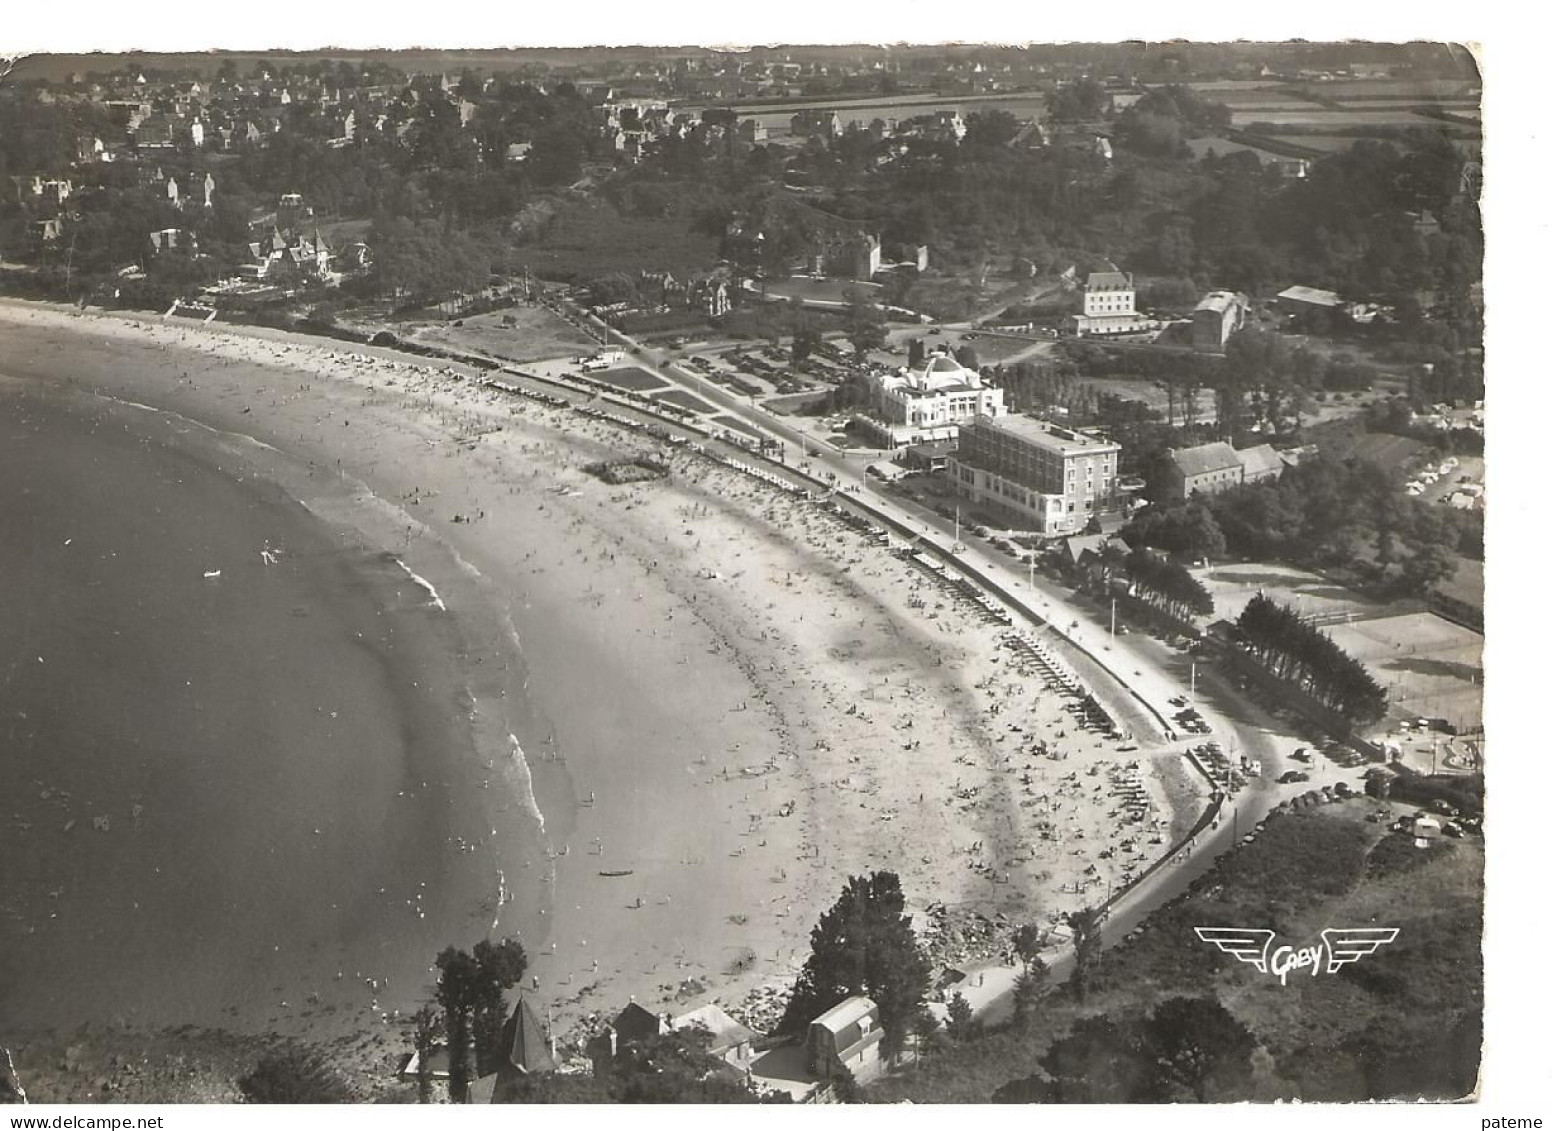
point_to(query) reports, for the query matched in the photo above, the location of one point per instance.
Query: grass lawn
(732, 423)
(522, 333)
(682, 399)
(636, 380)
(796, 403)
(823, 289)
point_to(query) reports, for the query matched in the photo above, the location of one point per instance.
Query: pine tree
(864, 945)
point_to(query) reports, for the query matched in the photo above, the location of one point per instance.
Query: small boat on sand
(622, 872)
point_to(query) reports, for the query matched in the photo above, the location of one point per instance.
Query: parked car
(1291, 776)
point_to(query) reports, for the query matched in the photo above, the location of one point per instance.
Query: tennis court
(1430, 666)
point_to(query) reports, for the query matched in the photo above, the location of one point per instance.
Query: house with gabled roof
(1260, 462)
(730, 1041)
(1204, 469)
(846, 1038)
(174, 239)
(633, 1023)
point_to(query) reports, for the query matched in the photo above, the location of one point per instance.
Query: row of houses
(707, 292)
(844, 1039)
(1208, 469)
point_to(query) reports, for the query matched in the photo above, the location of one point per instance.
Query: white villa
(1109, 307)
(928, 403)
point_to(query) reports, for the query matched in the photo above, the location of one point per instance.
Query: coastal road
(1142, 675)
(1138, 678)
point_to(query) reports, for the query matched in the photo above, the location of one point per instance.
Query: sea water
(235, 768)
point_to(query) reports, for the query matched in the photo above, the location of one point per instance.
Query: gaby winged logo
(1337, 947)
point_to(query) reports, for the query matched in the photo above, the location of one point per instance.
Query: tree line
(1165, 583)
(1299, 652)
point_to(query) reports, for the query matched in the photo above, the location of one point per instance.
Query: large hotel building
(1051, 478)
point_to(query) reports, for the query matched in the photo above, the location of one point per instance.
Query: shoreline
(807, 636)
(280, 840)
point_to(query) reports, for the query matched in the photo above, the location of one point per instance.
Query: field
(1222, 146)
(1261, 99)
(1326, 143)
(1431, 666)
(523, 333)
(1309, 594)
(1333, 119)
(778, 119)
(820, 290)
(1423, 90)
(632, 378)
(1154, 396)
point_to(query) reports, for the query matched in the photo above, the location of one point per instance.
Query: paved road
(1136, 675)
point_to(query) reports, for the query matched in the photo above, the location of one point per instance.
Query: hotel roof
(1109, 281)
(1053, 437)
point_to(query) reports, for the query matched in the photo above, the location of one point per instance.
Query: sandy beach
(730, 699)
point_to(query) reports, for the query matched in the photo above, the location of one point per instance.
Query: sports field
(1309, 594)
(1430, 666)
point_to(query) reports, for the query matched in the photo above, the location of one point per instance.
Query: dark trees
(960, 1017)
(1081, 100)
(471, 992)
(428, 1027)
(426, 261)
(863, 945)
(674, 1068)
(1086, 947)
(1306, 656)
(1190, 531)
(1186, 1050)
(805, 337)
(864, 325)
(1168, 584)
(1201, 1052)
